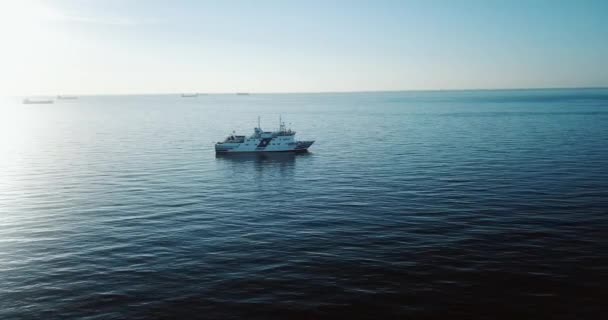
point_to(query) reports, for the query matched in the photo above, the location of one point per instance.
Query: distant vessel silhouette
(34, 101)
(242, 93)
(189, 95)
(60, 97)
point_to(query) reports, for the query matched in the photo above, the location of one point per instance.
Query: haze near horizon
(122, 47)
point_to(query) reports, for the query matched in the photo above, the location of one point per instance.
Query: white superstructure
(282, 140)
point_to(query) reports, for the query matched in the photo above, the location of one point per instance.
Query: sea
(409, 205)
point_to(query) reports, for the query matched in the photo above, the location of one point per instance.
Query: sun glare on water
(27, 48)
(28, 42)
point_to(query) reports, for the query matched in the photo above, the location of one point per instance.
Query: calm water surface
(483, 204)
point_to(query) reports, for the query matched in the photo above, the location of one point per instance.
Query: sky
(129, 47)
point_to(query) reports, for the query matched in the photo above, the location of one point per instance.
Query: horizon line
(313, 92)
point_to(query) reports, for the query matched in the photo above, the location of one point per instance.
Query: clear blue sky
(124, 46)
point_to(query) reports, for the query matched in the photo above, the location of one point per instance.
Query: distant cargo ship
(242, 93)
(282, 140)
(66, 97)
(37, 101)
(189, 95)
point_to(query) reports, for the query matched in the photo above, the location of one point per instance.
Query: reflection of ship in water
(270, 171)
(283, 157)
(265, 164)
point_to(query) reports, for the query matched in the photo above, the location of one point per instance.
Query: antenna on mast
(259, 122)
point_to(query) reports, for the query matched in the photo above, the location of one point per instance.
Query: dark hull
(254, 152)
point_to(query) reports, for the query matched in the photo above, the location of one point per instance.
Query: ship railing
(233, 139)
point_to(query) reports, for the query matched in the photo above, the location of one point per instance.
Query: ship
(35, 101)
(282, 140)
(60, 97)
